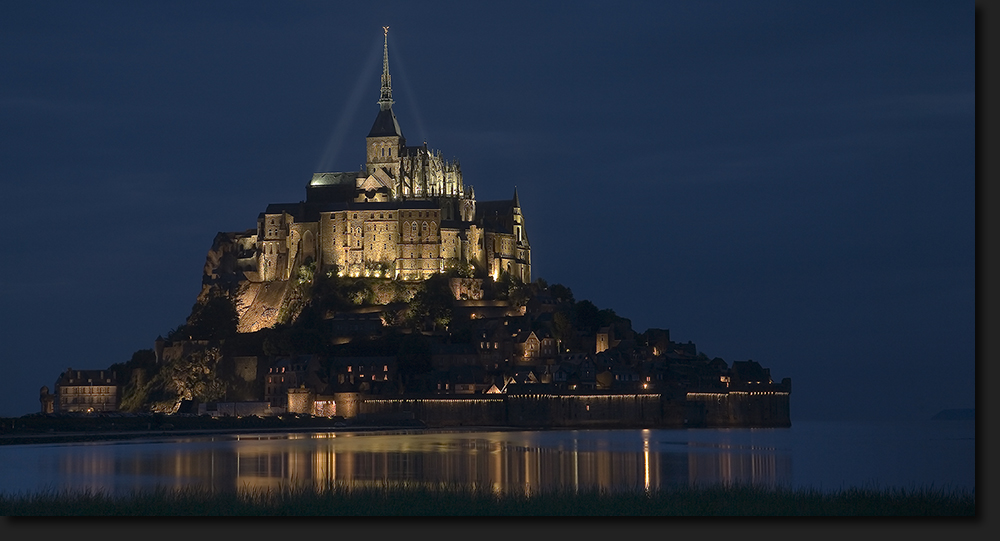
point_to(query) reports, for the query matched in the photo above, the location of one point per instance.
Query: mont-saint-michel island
(392, 296)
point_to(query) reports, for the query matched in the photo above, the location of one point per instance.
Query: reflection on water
(826, 456)
(501, 461)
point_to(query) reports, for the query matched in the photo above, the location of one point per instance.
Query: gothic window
(413, 227)
(424, 227)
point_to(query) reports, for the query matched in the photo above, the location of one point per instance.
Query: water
(824, 456)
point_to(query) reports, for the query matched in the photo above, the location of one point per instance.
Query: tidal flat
(407, 500)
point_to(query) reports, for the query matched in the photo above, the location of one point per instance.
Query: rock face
(229, 263)
(259, 304)
(229, 270)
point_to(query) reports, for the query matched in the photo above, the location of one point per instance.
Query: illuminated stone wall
(403, 242)
(332, 243)
(739, 408)
(347, 404)
(451, 244)
(450, 411)
(588, 410)
(384, 152)
(300, 400)
(466, 288)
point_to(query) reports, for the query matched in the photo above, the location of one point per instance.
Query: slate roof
(385, 125)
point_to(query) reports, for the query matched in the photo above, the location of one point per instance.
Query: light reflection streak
(645, 458)
(502, 462)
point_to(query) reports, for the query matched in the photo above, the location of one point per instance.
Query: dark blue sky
(788, 182)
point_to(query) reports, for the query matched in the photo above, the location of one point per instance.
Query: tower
(385, 141)
(518, 221)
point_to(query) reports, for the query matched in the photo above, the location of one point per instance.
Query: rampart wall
(733, 409)
(739, 408)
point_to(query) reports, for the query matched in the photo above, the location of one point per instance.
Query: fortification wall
(439, 411)
(588, 410)
(735, 409)
(739, 409)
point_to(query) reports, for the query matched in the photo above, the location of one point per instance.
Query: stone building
(87, 391)
(291, 373)
(407, 215)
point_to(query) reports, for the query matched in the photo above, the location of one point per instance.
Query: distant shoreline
(34, 438)
(84, 437)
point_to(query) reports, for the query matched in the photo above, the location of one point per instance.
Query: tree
(561, 293)
(433, 301)
(562, 329)
(214, 320)
(586, 317)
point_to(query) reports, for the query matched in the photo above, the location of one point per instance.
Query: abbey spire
(385, 100)
(385, 123)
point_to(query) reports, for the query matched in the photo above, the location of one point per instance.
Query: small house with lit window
(357, 370)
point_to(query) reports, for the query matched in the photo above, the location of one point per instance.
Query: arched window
(413, 227)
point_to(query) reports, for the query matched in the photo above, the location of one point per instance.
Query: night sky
(788, 182)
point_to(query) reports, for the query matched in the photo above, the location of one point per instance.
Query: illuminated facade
(86, 391)
(406, 216)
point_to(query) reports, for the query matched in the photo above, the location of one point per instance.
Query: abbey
(406, 216)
